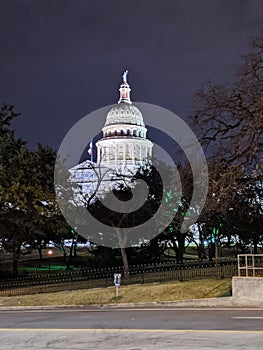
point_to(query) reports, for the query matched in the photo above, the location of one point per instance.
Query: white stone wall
(113, 151)
(247, 290)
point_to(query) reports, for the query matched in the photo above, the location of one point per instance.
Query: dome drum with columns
(124, 143)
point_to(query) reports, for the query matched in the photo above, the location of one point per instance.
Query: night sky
(62, 59)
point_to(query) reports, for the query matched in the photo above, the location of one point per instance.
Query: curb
(223, 302)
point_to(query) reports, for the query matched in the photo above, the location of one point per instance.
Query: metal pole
(50, 252)
(246, 266)
(117, 291)
(216, 252)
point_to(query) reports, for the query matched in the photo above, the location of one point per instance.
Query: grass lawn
(206, 288)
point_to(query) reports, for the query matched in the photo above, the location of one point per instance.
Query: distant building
(122, 150)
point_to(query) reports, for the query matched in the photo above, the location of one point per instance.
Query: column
(132, 152)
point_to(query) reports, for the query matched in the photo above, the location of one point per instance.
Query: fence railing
(250, 265)
(85, 279)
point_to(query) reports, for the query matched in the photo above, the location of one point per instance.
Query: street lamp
(50, 252)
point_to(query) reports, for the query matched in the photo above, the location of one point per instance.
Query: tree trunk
(71, 252)
(40, 252)
(255, 243)
(181, 245)
(123, 253)
(216, 252)
(16, 252)
(125, 261)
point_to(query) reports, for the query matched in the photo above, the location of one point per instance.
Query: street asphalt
(128, 328)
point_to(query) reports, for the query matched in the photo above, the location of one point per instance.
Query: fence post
(142, 277)
(71, 283)
(181, 274)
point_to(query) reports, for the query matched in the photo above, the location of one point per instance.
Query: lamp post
(50, 252)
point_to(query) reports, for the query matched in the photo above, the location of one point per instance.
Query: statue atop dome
(124, 89)
(124, 77)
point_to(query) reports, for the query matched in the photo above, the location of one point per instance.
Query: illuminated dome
(124, 145)
(124, 113)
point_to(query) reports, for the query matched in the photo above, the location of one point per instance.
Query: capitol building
(123, 149)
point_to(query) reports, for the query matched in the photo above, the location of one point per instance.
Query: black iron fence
(84, 279)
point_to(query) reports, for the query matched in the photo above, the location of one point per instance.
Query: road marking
(208, 309)
(249, 317)
(105, 309)
(47, 311)
(127, 330)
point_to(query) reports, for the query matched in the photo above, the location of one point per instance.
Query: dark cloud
(62, 59)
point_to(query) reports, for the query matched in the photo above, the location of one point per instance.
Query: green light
(215, 231)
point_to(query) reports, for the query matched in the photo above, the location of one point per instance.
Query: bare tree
(229, 117)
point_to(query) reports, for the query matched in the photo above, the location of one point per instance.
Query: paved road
(132, 329)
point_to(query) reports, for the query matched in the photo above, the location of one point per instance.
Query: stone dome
(124, 113)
